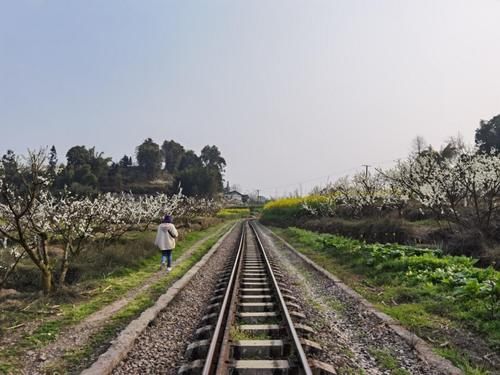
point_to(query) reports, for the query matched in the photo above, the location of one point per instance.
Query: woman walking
(165, 240)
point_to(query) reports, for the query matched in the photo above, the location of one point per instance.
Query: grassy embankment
(59, 312)
(424, 290)
(438, 297)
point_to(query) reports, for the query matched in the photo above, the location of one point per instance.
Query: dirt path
(77, 336)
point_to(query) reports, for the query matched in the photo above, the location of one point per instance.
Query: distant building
(235, 197)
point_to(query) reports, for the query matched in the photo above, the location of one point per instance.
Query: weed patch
(237, 334)
(388, 361)
(462, 360)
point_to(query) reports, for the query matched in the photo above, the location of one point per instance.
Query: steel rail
(218, 335)
(295, 337)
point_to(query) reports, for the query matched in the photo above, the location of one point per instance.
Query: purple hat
(167, 219)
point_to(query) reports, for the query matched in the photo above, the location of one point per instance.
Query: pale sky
(292, 92)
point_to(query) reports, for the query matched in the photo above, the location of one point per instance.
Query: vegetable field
(433, 294)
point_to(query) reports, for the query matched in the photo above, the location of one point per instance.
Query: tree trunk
(64, 268)
(46, 268)
(46, 281)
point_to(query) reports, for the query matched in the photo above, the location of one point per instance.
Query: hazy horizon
(294, 93)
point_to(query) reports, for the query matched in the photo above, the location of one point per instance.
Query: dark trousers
(166, 255)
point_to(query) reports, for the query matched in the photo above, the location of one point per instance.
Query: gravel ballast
(161, 346)
(352, 337)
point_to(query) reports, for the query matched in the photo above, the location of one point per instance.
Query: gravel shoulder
(353, 338)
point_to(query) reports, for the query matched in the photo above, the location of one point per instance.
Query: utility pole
(366, 169)
(258, 194)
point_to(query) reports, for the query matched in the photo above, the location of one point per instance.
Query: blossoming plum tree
(462, 187)
(363, 194)
(464, 190)
(31, 216)
(22, 218)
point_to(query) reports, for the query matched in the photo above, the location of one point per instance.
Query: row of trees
(158, 169)
(464, 190)
(32, 216)
(455, 184)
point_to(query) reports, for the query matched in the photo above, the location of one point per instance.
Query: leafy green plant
(420, 287)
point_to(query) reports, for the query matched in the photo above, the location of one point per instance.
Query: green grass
(411, 315)
(336, 305)
(237, 334)
(462, 360)
(107, 290)
(388, 361)
(423, 289)
(44, 334)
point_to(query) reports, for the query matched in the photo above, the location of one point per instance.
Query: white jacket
(165, 236)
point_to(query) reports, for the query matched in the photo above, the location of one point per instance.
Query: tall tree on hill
(189, 160)
(114, 180)
(99, 164)
(212, 158)
(215, 164)
(125, 162)
(149, 158)
(199, 181)
(77, 156)
(488, 135)
(201, 176)
(172, 154)
(52, 162)
(85, 172)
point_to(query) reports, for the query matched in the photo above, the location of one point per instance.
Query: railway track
(237, 314)
(253, 324)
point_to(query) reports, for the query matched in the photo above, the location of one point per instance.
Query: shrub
(233, 213)
(293, 207)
